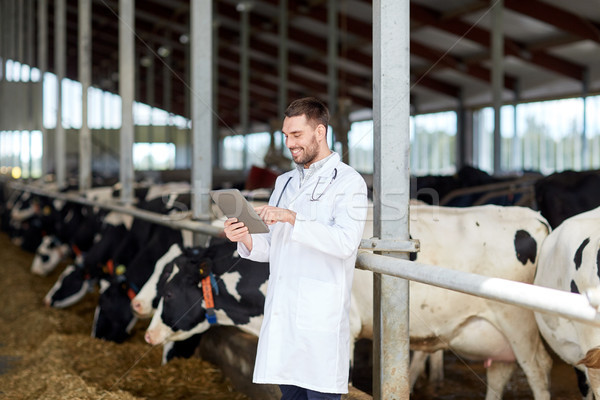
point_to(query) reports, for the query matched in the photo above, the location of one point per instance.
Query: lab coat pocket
(318, 305)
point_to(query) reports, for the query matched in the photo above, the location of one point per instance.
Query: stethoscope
(312, 196)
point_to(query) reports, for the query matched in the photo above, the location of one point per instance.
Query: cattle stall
(390, 227)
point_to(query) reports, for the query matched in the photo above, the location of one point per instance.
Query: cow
(443, 189)
(110, 238)
(568, 193)
(490, 240)
(238, 288)
(81, 277)
(570, 261)
(75, 229)
(132, 264)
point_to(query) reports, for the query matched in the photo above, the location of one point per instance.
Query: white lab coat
(304, 338)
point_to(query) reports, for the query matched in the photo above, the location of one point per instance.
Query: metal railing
(536, 298)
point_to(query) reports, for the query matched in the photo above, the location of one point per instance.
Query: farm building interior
(455, 103)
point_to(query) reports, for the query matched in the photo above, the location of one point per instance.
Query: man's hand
(271, 215)
(238, 232)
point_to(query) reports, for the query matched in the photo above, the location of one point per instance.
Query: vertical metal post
(216, 142)
(332, 58)
(42, 51)
(167, 80)
(391, 187)
(244, 9)
(282, 59)
(497, 47)
(516, 146)
(2, 41)
(85, 77)
(60, 61)
(461, 134)
(11, 31)
(126, 90)
(20, 31)
(30, 87)
(150, 86)
(202, 107)
(585, 158)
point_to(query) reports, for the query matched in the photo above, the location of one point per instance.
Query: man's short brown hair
(315, 111)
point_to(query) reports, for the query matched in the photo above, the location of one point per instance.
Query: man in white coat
(316, 216)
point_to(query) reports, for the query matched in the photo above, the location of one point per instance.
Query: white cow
(494, 241)
(570, 261)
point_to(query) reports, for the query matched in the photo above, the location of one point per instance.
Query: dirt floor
(48, 353)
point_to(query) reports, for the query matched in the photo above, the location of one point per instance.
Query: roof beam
(447, 60)
(557, 17)
(511, 47)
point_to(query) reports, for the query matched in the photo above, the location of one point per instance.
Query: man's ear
(321, 132)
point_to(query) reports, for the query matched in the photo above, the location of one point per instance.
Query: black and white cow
(238, 296)
(133, 263)
(80, 278)
(76, 227)
(570, 261)
(490, 240)
(494, 241)
(112, 237)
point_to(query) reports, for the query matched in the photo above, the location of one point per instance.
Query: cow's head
(113, 318)
(181, 312)
(71, 286)
(48, 255)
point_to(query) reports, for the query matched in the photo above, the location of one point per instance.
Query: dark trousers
(297, 393)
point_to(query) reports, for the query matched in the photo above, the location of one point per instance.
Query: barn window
(153, 156)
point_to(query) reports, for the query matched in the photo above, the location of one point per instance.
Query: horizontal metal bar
(161, 219)
(390, 245)
(537, 298)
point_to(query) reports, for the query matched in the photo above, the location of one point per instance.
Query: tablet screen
(234, 205)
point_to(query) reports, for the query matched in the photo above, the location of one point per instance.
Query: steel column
(201, 106)
(516, 159)
(391, 187)
(126, 90)
(282, 59)
(30, 124)
(42, 63)
(497, 48)
(85, 77)
(585, 158)
(244, 9)
(150, 87)
(20, 31)
(60, 62)
(332, 59)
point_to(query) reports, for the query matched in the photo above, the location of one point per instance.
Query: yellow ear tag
(120, 270)
(201, 271)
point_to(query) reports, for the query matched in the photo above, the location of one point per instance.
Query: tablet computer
(234, 205)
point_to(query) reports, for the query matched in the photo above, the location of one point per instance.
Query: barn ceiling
(552, 49)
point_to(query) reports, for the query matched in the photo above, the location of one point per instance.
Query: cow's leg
(498, 374)
(530, 352)
(436, 367)
(417, 366)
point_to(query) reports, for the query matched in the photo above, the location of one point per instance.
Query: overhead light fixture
(244, 6)
(163, 51)
(145, 61)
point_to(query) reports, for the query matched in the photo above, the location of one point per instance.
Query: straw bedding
(48, 353)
